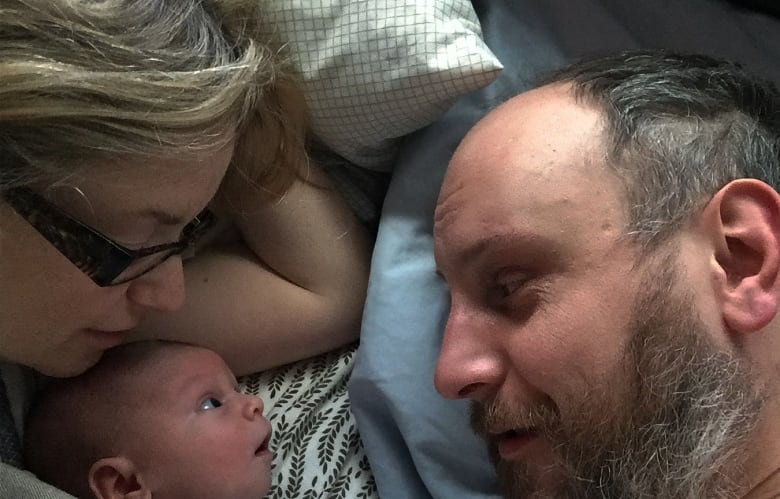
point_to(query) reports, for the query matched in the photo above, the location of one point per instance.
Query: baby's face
(202, 438)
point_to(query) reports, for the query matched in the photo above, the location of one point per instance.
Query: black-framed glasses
(105, 261)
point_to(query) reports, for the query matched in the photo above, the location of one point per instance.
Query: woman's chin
(67, 364)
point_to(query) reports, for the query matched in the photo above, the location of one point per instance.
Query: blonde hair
(83, 81)
(271, 152)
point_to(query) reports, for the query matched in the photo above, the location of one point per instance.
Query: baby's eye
(210, 403)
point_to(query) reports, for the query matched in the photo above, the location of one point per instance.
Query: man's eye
(509, 287)
(510, 279)
(210, 403)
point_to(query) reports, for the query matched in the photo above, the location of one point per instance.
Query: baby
(152, 419)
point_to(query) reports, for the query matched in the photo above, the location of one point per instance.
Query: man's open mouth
(512, 442)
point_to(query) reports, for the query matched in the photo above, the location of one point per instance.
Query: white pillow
(376, 70)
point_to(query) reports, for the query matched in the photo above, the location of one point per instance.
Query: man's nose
(469, 364)
(162, 288)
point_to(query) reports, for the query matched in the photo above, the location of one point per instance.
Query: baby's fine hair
(73, 422)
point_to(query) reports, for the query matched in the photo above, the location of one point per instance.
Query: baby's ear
(117, 478)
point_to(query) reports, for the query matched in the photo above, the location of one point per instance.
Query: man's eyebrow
(476, 249)
(473, 250)
(465, 255)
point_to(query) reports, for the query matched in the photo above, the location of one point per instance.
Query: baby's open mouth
(263, 446)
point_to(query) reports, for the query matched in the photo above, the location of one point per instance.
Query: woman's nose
(162, 288)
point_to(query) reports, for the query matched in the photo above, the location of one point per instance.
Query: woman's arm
(291, 287)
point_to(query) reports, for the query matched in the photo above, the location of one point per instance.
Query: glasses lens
(105, 261)
(190, 235)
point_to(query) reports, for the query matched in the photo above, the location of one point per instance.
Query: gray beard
(676, 429)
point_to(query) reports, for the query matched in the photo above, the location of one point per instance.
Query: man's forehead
(549, 106)
(544, 133)
(536, 161)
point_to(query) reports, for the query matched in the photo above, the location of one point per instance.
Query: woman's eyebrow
(164, 218)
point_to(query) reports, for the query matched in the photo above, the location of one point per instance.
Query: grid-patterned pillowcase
(376, 70)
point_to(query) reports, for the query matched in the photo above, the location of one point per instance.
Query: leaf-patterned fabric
(317, 450)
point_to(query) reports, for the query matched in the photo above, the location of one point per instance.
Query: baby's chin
(263, 484)
(264, 488)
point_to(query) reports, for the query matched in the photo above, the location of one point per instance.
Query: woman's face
(53, 317)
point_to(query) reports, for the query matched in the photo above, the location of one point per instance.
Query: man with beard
(611, 241)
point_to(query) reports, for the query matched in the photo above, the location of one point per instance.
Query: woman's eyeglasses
(105, 261)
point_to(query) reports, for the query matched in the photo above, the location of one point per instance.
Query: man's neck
(763, 467)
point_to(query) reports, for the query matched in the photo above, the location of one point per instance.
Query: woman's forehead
(168, 187)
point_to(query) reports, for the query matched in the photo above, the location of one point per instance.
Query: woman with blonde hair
(118, 121)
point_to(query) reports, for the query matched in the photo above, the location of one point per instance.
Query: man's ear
(743, 221)
(117, 477)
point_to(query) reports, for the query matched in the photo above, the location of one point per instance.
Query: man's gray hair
(678, 128)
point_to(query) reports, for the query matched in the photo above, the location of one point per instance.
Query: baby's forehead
(177, 357)
(183, 365)
(188, 359)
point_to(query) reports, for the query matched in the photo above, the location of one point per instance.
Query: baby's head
(152, 416)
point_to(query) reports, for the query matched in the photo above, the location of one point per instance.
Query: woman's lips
(107, 339)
